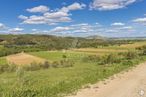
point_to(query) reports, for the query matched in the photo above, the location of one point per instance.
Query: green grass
(3, 61)
(57, 55)
(55, 82)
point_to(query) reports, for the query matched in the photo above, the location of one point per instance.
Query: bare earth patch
(23, 59)
(126, 84)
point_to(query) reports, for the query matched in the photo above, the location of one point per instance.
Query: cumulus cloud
(2, 26)
(40, 9)
(60, 29)
(35, 20)
(117, 24)
(83, 28)
(34, 30)
(16, 30)
(74, 6)
(126, 28)
(110, 4)
(22, 17)
(53, 17)
(140, 20)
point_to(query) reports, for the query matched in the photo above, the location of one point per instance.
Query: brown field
(99, 51)
(133, 45)
(23, 59)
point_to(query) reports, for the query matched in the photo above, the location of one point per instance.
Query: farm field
(57, 55)
(58, 82)
(111, 49)
(23, 59)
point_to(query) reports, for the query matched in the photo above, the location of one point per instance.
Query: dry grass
(23, 59)
(99, 51)
(134, 45)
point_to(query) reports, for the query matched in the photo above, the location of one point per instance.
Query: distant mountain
(96, 37)
(128, 38)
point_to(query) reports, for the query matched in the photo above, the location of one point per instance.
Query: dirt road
(126, 84)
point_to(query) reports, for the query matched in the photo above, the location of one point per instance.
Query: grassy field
(111, 49)
(57, 82)
(3, 60)
(57, 55)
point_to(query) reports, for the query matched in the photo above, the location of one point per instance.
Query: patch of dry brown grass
(23, 59)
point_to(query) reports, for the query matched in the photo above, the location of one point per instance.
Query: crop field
(111, 49)
(57, 55)
(23, 59)
(60, 81)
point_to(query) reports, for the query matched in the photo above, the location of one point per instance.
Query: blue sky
(110, 18)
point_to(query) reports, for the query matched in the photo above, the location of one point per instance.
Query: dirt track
(127, 84)
(23, 59)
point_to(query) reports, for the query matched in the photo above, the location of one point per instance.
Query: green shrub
(12, 68)
(127, 62)
(131, 55)
(55, 64)
(66, 63)
(45, 65)
(91, 58)
(110, 59)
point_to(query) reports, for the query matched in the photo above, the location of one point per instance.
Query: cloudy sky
(110, 18)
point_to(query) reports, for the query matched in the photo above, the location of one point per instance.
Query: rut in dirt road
(127, 84)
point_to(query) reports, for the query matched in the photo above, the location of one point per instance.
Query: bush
(12, 68)
(92, 58)
(45, 65)
(55, 64)
(62, 63)
(3, 68)
(35, 66)
(110, 59)
(127, 62)
(66, 63)
(8, 68)
(131, 55)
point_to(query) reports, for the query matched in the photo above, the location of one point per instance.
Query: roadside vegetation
(66, 70)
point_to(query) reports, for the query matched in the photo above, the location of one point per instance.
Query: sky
(79, 18)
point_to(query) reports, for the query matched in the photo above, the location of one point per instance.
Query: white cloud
(74, 6)
(117, 24)
(56, 14)
(140, 20)
(2, 26)
(60, 29)
(22, 17)
(53, 17)
(34, 30)
(110, 4)
(83, 28)
(126, 28)
(40, 9)
(16, 30)
(120, 29)
(35, 20)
